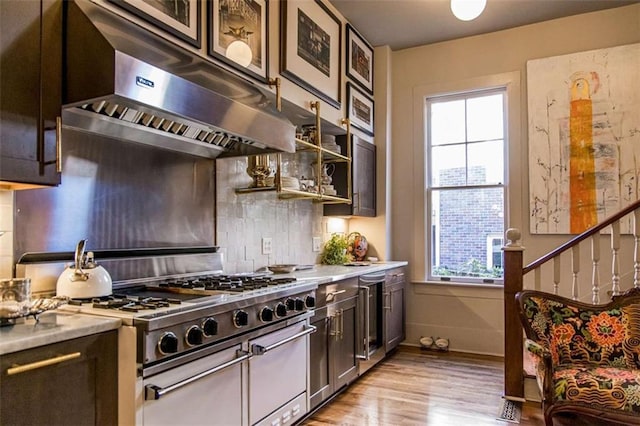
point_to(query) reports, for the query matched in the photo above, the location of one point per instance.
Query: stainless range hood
(125, 82)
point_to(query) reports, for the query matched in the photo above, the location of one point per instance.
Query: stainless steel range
(202, 343)
(177, 315)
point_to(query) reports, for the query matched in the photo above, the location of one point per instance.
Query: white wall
(6, 233)
(472, 317)
(377, 230)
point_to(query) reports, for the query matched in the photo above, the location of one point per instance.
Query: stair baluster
(595, 258)
(615, 260)
(636, 248)
(575, 269)
(556, 274)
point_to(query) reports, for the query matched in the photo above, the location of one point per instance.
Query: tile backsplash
(244, 219)
(6, 233)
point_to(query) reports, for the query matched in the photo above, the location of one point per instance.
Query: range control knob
(299, 304)
(310, 302)
(194, 336)
(240, 319)
(266, 314)
(168, 343)
(290, 303)
(210, 327)
(281, 310)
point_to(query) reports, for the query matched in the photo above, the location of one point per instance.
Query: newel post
(513, 358)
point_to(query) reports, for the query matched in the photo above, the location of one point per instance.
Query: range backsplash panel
(118, 195)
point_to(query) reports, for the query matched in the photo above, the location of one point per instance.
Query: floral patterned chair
(587, 356)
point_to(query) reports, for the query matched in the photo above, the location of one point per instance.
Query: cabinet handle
(337, 325)
(58, 160)
(333, 325)
(59, 144)
(333, 294)
(389, 306)
(44, 363)
(341, 324)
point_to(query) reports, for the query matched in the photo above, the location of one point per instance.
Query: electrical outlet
(317, 243)
(267, 246)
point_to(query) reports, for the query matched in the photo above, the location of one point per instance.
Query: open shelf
(324, 156)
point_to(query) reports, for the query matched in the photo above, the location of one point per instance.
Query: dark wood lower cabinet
(333, 362)
(394, 332)
(70, 382)
(342, 341)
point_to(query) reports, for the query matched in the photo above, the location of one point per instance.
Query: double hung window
(465, 192)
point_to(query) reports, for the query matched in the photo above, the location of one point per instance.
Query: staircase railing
(514, 273)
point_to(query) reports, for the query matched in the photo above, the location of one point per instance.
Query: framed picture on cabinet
(180, 18)
(238, 35)
(359, 60)
(310, 43)
(359, 109)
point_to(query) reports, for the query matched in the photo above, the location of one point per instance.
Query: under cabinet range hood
(125, 82)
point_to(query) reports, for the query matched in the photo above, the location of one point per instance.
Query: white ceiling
(407, 23)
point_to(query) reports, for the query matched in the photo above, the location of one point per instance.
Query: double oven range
(209, 348)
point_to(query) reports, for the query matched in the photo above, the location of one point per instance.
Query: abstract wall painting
(584, 138)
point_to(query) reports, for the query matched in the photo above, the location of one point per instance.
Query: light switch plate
(317, 243)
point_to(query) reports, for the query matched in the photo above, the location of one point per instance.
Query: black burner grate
(127, 303)
(225, 283)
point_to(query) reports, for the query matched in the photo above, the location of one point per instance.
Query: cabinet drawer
(395, 276)
(336, 291)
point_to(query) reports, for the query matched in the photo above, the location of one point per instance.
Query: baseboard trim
(414, 345)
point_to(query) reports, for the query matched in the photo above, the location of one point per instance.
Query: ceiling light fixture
(467, 10)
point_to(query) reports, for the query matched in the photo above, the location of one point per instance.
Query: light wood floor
(416, 387)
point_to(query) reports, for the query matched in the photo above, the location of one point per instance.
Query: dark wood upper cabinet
(363, 180)
(31, 87)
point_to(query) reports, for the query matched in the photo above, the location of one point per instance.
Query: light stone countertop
(53, 327)
(329, 273)
(57, 326)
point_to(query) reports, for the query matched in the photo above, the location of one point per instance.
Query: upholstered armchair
(587, 357)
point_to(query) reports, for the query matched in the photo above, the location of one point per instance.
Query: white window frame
(514, 163)
(430, 188)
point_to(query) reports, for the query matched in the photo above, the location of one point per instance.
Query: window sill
(459, 289)
(499, 286)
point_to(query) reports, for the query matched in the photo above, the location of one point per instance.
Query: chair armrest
(536, 349)
(544, 366)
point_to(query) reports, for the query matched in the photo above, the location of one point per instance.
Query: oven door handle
(261, 350)
(153, 392)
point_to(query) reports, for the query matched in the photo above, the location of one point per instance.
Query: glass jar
(15, 297)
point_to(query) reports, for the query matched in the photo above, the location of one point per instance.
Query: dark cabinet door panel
(31, 87)
(77, 386)
(363, 180)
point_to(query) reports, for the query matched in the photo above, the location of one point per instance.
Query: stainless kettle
(84, 278)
